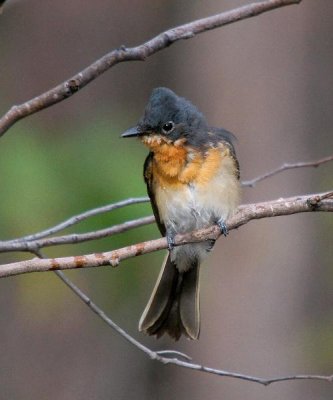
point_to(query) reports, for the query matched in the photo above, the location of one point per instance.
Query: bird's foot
(223, 227)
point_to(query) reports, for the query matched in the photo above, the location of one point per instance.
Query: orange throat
(169, 157)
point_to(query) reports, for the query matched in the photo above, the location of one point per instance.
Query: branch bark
(140, 53)
(245, 214)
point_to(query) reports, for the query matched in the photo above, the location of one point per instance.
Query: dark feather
(147, 174)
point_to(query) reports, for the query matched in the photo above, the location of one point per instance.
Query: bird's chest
(189, 188)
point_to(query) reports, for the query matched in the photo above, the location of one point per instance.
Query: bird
(192, 177)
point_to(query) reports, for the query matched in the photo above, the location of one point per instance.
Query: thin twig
(101, 313)
(246, 213)
(158, 355)
(286, 166)
(74, 238)
(81, 217)
(139, 53)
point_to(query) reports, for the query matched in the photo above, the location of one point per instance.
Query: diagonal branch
(75, 219)
(74, 238)
(140, 53)
(246, 213)
(286, 166)
(159, 355)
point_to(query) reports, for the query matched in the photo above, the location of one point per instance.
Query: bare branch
(79, 218)
(139, 53)
(286, 166)
(160, 355)
(246, 213)
(82, 296)
(32, 245)
(31, 242)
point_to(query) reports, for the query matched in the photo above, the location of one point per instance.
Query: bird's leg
(223, 227)
(224, 231)
(170, 237)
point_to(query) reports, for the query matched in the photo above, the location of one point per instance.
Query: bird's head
(170, 119)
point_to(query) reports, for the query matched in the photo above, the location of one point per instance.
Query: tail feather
(173, 307)
(189, 307)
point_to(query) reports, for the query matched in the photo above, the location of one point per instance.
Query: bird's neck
(169, 158)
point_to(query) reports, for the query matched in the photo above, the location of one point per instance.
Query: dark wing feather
(148, 177)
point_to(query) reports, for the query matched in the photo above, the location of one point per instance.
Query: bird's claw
(223, 227)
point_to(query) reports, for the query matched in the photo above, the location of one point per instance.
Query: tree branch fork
(322, 202)
(245, 213)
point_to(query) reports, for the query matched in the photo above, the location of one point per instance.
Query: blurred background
(267, 289)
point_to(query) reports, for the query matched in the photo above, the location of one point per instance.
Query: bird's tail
(173, 307)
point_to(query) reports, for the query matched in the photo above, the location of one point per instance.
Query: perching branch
(37, 240)
(246, 213)
(320, 202)
(140, 53)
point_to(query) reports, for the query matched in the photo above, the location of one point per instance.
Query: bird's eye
(168, 127)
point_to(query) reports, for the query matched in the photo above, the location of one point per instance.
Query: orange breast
(175, 164)
(168, 162)
(211, 164)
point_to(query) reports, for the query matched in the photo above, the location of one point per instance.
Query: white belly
(189, 207)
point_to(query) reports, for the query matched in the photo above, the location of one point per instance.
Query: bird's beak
(132, 132)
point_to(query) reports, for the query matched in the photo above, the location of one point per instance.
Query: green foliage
(49, 176)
